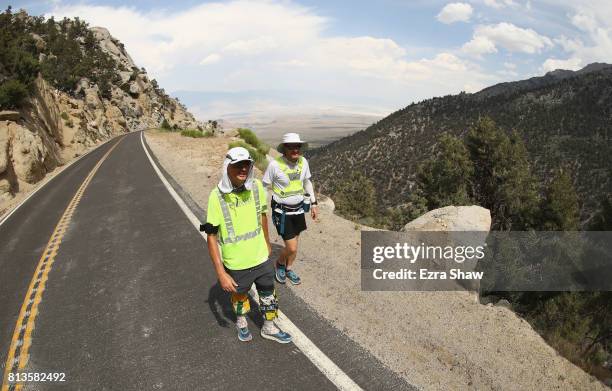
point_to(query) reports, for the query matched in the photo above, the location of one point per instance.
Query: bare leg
(282, 256)
(290, 251)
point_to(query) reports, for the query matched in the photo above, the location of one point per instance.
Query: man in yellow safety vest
(292, 197)
(239, 245)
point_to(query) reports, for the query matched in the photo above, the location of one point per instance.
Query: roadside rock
(452, 218)
(28, 154)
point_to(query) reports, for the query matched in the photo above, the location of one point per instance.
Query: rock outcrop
(459, 226)
(53, 126)
(453, 218)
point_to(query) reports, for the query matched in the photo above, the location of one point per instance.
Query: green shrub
(250, 138)
(64, 116)
(192, 133)
(12, 94)
(355, 197)
(165, 125)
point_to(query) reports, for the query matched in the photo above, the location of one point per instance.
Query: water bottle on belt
(306, 205)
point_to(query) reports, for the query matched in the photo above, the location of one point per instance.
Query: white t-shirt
(274, 175)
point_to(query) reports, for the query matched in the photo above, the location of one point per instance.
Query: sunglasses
(241, 164)
(293, 146)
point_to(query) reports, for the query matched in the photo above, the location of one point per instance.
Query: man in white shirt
(292, 196)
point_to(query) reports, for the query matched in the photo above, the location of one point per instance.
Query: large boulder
(28, 154)
(452, 218)
(112, 46)
(134, 90)
(458, 226)
(115, 115)
(39, 42)
(92, 98)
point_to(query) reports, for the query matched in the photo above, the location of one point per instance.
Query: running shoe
(244, 334)
(280, 336)
(281, 274)
(295, 280)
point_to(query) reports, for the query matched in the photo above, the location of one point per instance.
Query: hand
(227, 283)
(314, 212)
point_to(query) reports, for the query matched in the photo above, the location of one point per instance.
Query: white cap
(235, 155)
(292, 138)
(238, 154)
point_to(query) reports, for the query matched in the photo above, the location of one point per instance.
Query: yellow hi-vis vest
(241, 236)
(295, 185)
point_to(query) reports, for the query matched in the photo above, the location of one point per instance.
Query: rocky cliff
(57, 122)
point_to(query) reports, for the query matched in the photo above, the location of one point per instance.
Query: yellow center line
(18, 355)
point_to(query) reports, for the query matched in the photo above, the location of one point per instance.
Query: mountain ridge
(564, 120)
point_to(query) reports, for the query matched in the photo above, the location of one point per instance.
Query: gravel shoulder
(435, 340)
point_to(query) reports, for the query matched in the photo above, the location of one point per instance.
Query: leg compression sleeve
(268, 304)
(240, 303)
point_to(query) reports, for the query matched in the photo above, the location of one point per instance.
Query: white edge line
(300, 340)
(44, 182)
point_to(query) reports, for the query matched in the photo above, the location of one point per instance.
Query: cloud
(593, 40)
(276, 45)
(487, 38)
(552, 64)
(584, 21)
(499, 3)
(210, 59)
(238, 27)
(252, 46)
(478, 46)
(455, 12)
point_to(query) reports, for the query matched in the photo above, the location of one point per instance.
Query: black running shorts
(294, 224)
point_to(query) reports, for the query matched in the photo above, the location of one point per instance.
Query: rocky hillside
(63, 88)
(564, 117)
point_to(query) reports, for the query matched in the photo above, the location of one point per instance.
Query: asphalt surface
(131, 301)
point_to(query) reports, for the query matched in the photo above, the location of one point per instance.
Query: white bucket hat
(235, 155)
(289, 138)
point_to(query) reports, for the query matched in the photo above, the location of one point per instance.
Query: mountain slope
(565, 118)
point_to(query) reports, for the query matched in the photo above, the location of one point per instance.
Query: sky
(369, 57)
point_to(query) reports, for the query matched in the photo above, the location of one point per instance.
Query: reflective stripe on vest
(229, 225)
(295, 186)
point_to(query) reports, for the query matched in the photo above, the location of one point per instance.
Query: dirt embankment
(436, 340)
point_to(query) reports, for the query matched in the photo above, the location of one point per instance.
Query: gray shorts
(262, 275)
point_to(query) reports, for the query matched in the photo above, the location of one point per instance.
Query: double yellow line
(22, 336)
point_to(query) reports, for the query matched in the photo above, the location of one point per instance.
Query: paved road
(107, 281)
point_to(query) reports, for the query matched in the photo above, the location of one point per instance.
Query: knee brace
(268, 304)
(240, 303)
